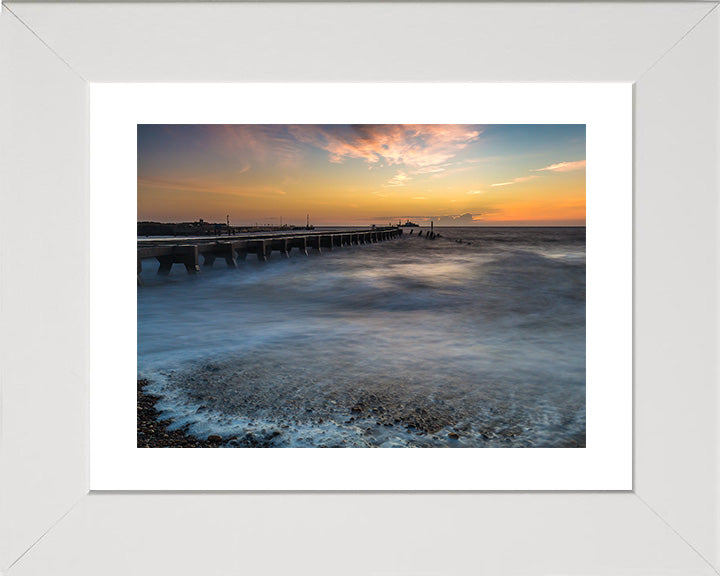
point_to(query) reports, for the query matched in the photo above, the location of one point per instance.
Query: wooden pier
(187, 251)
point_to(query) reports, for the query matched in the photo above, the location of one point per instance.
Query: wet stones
(511, 432)
(153, 432)
(426, 416)
(294, 410)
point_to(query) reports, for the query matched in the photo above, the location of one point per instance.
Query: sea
(473, 339)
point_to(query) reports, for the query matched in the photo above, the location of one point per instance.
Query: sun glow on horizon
(358, 175)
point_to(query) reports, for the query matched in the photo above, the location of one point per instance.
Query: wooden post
(261, 248)
(208, 259)
(240, 248)
(166, 263)
(315, 242)
(326, 241)
(227, 251)
(282, 245)
(300, 242)
(190, 256)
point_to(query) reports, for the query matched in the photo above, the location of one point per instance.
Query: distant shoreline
(240, 230)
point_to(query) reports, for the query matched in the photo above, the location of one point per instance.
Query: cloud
(559, 167)
(432, 169)
(211, 187)
(244, 144)
(448, 168)
(563, 167)
(466, 218)
(400, 179)
(416, 146)
(515, 181)
(475, 192)
(443, 220)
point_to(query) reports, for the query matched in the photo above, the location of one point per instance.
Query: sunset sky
(359, 175)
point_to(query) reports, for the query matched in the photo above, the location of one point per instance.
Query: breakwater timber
(188, 251)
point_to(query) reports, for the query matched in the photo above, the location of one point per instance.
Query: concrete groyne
(196, 252)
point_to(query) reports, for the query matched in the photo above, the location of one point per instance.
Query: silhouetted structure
(230, 249)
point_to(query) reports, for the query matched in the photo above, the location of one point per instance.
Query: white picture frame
(49, 523)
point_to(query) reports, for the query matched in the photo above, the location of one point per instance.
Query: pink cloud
(416, 146)
(563, 167)
(515, 181)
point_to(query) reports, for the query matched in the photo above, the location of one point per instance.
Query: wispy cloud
(416, 146)
(260, 142)
(400, 179)
(514, 181)
(211, 188)
(441, 219)
(563, 167)
(432, 169)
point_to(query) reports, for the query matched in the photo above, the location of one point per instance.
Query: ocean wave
(401, 343)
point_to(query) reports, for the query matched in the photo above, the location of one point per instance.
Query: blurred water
(475, 339)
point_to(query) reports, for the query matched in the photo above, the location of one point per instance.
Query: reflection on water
(473, 339)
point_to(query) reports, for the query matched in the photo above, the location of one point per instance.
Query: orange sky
(360, 175)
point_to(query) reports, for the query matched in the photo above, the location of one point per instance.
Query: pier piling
(261, 248)
(282, 245)
(315, 242)
(208, 259)
(227, 250)
(231, 249)
(241, 250)
(184, 254)
(327, 241)
(301, 243)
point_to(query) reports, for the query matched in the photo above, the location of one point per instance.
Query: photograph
(361, 286)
